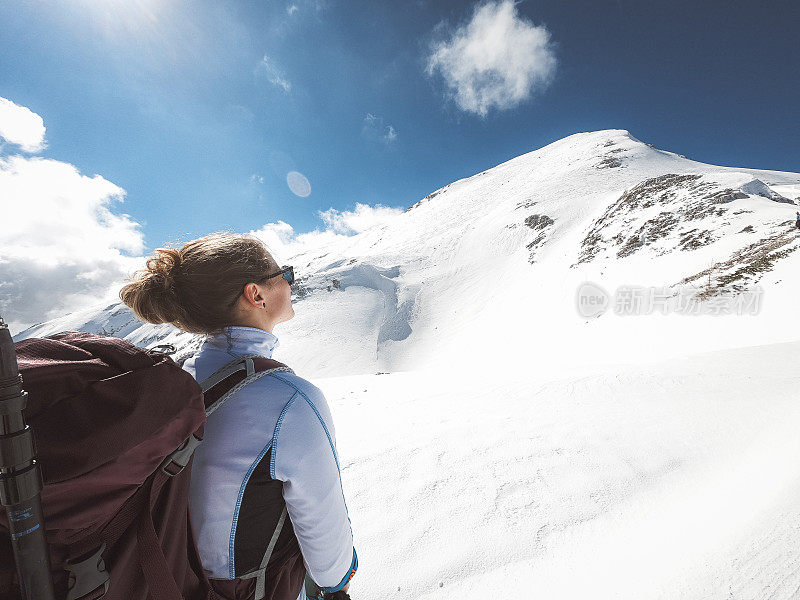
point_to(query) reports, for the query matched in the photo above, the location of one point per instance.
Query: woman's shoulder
(297, 385)
(306, 417)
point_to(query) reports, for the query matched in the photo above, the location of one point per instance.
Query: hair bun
(163, 267)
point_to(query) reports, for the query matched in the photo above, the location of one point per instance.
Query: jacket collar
(239, 340)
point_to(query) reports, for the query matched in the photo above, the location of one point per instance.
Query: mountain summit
(487, 268)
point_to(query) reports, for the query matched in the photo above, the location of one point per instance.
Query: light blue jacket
(289, 415)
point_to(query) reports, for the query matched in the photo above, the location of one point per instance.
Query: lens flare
(298, 184)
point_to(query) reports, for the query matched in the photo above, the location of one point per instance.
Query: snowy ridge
(599, 206)
(496, 444)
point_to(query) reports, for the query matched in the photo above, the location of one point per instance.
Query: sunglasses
(287, 271)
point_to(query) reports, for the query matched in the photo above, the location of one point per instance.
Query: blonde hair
(194, 286)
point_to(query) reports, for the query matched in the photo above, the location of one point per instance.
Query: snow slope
(674, 480)
(511, 447)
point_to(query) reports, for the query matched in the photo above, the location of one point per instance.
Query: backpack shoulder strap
(233, 376)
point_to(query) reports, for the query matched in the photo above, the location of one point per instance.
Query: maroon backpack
(115, 428)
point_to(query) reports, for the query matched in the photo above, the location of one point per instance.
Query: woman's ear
(251, 293)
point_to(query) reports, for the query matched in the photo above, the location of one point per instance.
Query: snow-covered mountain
(492, 263)
(497, 442)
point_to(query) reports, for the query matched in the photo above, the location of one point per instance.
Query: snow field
(676, 480)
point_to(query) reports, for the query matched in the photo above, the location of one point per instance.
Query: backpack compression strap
(260, 574)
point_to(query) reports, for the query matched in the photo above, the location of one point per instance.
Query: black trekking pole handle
(21, 480)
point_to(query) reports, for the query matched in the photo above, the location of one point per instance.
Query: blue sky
(199, 111)
(175, 103)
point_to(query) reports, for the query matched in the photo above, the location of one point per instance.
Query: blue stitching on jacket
(321, 420)
(330, 441)
(232, 568)
(274, 443)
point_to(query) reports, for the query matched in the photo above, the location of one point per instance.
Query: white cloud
(256, 178)
(291, 9)
(274, 75)
(496, 60)
(284, 243)
(362, 218)
(375, 128)
(61, 243)
(21, 126)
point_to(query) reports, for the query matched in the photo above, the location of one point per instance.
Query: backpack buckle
(87, 576)
(167, 349)
(177, 461)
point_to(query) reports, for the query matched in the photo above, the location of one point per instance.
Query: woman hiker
(271, 445)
